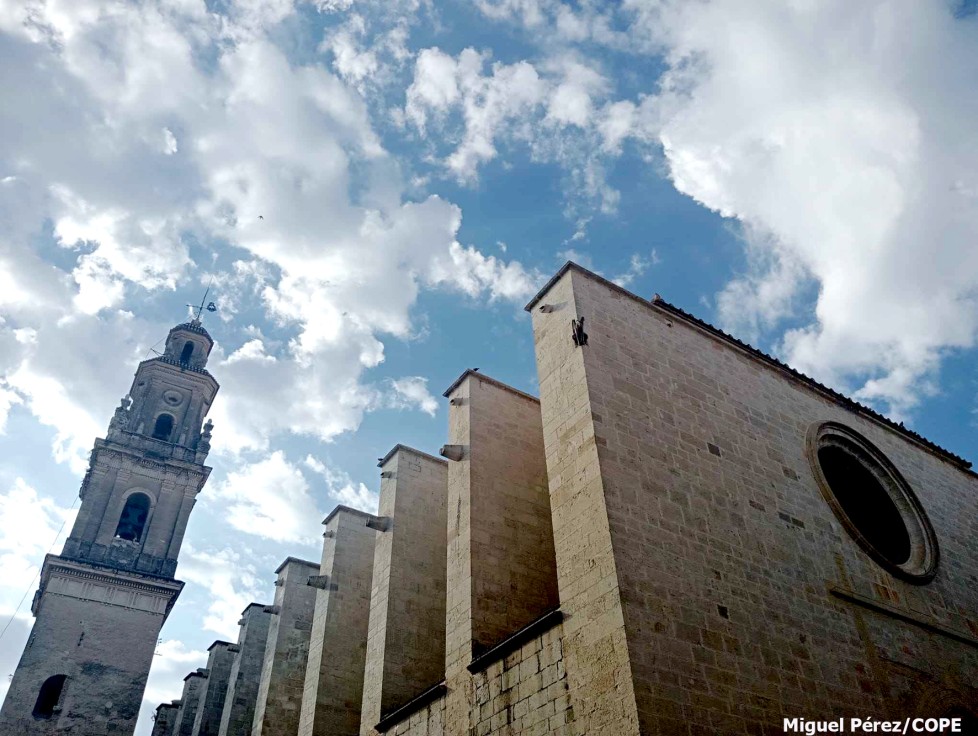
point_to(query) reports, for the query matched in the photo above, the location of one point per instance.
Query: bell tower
(102, 602)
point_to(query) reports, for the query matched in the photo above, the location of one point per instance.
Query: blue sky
(801, 174)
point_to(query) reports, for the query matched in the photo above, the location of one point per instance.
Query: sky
(372, 189)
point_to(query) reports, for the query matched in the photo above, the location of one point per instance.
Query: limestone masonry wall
(406, 637)
(207, 722)
(594, 645)
(333, 686)
(238, 714)
(502, 480)
(726, 552)
(283, 672)
(81, 617)
(652, 547)
(165, 721)
(523, 693)
(189, 702)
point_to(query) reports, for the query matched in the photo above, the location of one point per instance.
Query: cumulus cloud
(270, 498)
(411, 392)
(489, 103)
(230, 580)
(556, 109)
(173, 661)
(342, 489)
(152, 136)
(841, 160)
(32, 526)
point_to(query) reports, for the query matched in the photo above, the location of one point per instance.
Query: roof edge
(406, 448)
(762, 357)
(488, 379)
(349, 510)
(554, 279)
(289, 559)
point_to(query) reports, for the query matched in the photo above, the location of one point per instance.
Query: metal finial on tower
(198, 309)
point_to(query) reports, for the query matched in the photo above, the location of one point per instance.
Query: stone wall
(333, 686)
(499, 511)
(190, 702)
(697, 554)
(287, 649)
(595, 648)
(501, 569)
(406, 639)
(238, 715)
(524, 692)
(98, 628)
(220, 657)
(165, 720)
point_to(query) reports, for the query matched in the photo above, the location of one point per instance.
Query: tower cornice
(88, 581)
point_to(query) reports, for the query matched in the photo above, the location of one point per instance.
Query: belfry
(101, 602)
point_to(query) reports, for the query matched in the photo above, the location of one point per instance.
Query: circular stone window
(873, 501)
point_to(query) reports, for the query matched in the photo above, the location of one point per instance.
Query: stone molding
(86, 582)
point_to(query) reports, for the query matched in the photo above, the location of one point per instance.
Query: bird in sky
(261, 217)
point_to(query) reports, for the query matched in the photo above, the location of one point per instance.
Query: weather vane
(211, 307)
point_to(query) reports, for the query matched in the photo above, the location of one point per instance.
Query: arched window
(163, 428)
(133, 519)
(188, 350)
(49, 696)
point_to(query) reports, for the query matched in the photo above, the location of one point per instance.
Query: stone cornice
(132, 453)
(55, 567)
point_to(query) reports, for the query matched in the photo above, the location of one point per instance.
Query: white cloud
(228, 579)
(638, 264)
(270, 498)
(30, 527)
(570, 102)
(173, 661)
(842, 159)
(490, 104)
(411, 392)
(472, 272)
(342, 489)
(555, 109)
(435, 88)
(142, 129)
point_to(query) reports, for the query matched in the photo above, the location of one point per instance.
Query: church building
(679, 535)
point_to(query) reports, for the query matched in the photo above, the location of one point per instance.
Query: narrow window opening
(163, 428)
(188, 350)
(132, 522)
(49, 696)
